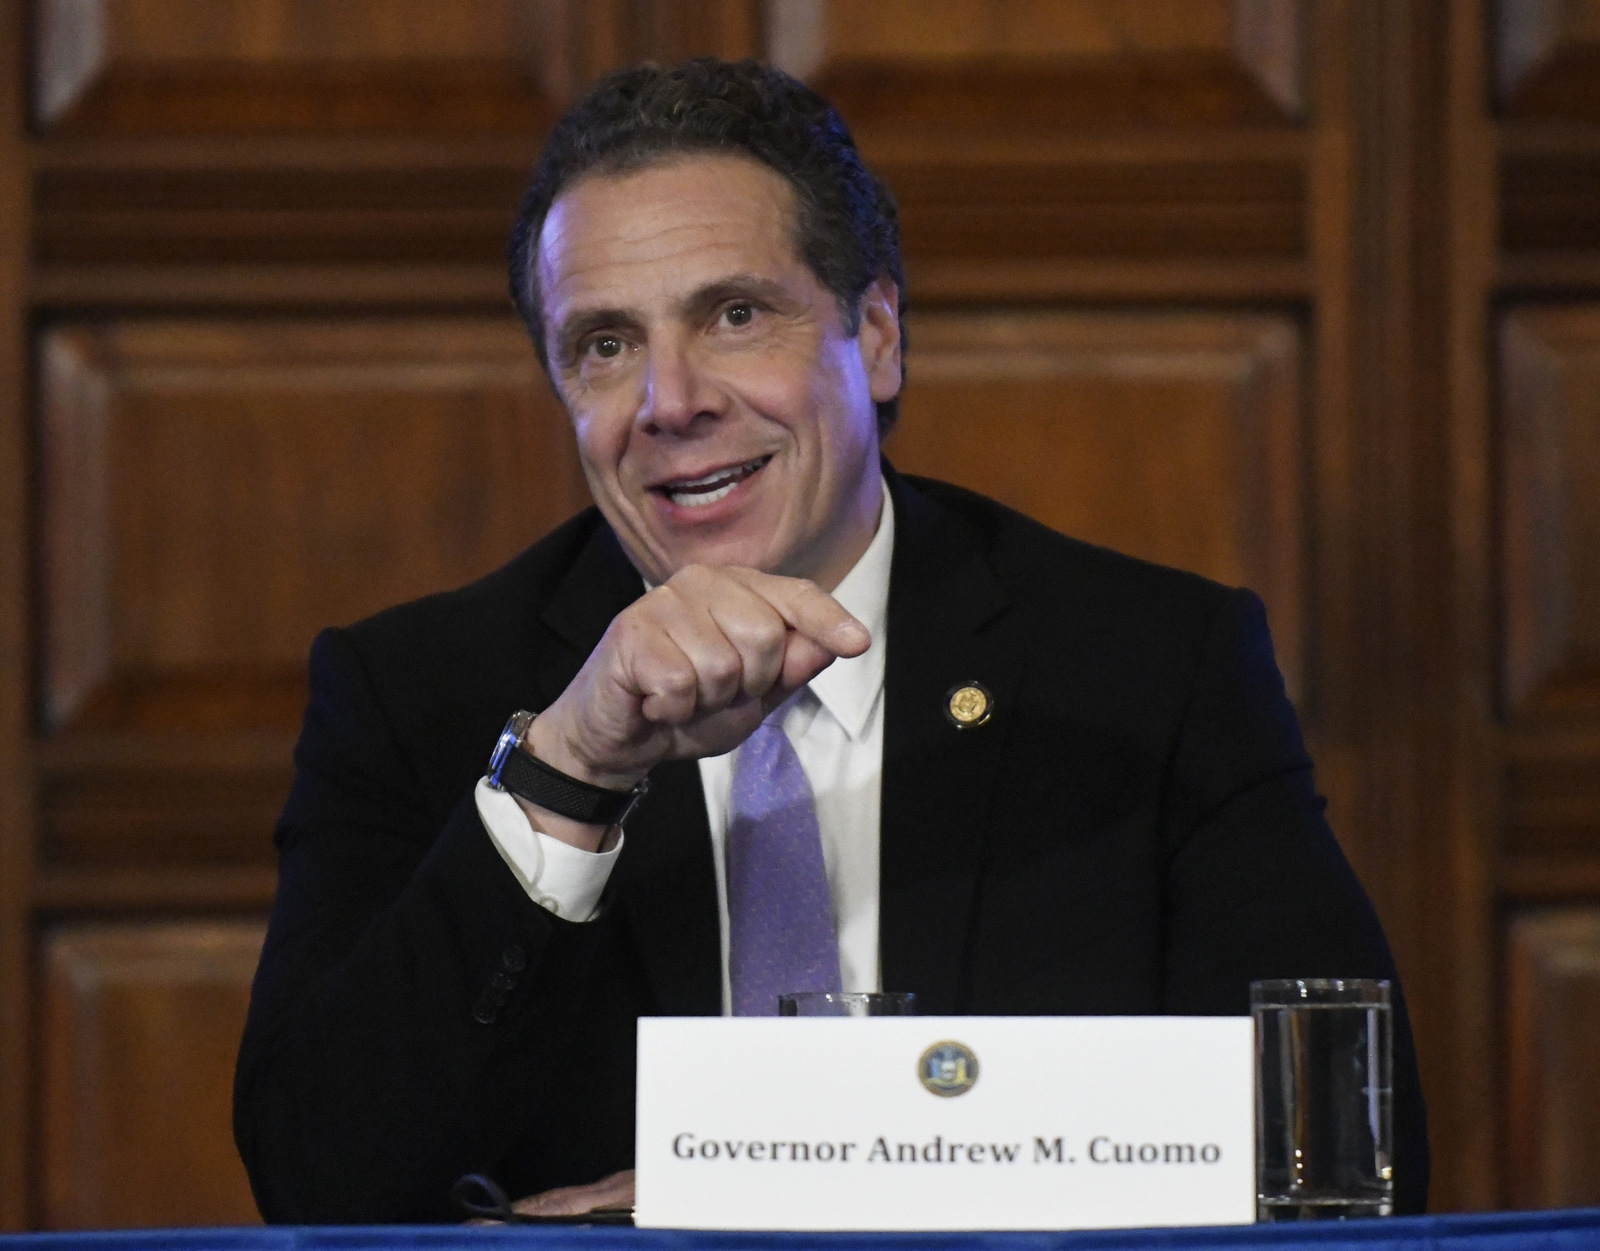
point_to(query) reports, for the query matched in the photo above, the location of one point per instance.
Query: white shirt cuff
(563, 879)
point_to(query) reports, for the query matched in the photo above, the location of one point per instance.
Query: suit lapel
(664, 882)
(948, 626)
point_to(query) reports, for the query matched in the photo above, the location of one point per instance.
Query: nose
(678, 394)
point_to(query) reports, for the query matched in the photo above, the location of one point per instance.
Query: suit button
(513, 959)
(502, 981)
(484, 1013)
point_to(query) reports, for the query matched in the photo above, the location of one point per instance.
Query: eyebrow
(697, 306)
(739, 286)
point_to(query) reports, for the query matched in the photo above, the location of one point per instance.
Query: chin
(750, 547)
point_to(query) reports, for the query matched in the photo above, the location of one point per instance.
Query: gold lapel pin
(968, 704)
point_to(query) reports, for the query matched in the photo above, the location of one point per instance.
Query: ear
(879, 339)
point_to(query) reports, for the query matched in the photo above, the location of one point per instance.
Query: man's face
(724, 415)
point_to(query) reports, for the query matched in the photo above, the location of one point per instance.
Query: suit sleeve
(415, 1015)
(1256, 885)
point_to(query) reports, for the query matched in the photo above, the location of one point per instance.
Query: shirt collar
(848, 689)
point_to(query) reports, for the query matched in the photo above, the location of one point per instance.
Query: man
(895, 735)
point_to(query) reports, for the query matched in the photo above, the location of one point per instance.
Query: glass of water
(1324, 1098)
(848, 1003)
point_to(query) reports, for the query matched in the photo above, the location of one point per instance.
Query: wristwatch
(530, 778)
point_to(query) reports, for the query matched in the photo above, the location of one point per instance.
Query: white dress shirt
(837, 731)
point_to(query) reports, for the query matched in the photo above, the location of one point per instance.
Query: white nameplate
(1016, 1123)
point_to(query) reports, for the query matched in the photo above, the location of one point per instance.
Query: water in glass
(1324, 1055)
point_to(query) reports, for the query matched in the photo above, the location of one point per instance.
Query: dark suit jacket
(1134, 831)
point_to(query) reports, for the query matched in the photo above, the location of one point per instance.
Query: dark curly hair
(847, 227)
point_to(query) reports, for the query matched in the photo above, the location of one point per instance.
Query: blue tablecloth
(1499, 1231)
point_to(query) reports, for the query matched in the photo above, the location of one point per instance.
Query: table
(1566, 1230)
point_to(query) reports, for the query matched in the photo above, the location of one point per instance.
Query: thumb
(803, 659)
(811, 613)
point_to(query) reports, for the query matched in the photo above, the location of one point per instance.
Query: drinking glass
(1324, 1098)
(848, 1003)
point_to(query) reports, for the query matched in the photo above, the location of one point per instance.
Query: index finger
(809, 610)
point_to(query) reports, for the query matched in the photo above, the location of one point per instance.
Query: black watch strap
(565, 796)
(512, 769)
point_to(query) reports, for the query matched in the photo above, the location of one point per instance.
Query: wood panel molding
(674, 30)
(1550, 418)
(1046, 63)
(1553, 1032)
(17, 525)
(455, 214)
(1007, 217)
(76, 291)
(79, 290)
(161, 820)
(75, 523)
(1175, 437)
(1269, 37)
(69, 53)
(1552, 791)
(1547, 58)
(131, 209)
(285, 65)
(187, 889)
(975, 207)
(212, 493)
(579, 40)
(1541, 879)
(1547, 201)
(141, 1023)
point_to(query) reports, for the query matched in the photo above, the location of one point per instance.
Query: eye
(740, 314)
(606, 346)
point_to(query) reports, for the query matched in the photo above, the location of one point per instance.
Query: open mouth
(698, 492)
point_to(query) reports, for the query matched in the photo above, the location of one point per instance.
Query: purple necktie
(780, 914)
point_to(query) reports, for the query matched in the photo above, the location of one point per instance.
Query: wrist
(582, 806)
(546, 740)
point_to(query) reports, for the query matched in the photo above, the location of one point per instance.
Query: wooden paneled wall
(1175, 437)
(1302, 295)
(1553, 1018)
(139, 1022)
(1547, 343)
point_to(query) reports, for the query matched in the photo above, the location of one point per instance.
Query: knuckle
(679, 680)
(758, 634)
(723, 668)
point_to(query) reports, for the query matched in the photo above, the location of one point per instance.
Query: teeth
(687, 483)
(701, 498)
(690, 492)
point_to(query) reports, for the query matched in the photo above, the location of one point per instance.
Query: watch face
(509, 738)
